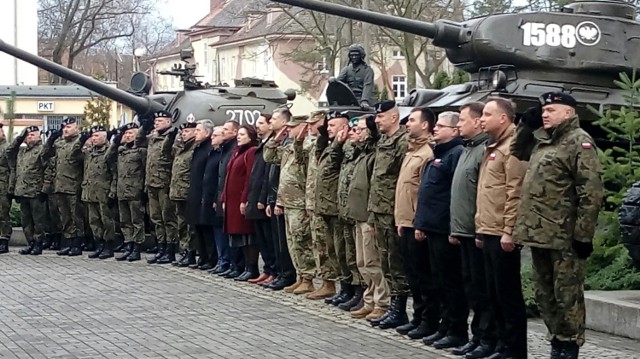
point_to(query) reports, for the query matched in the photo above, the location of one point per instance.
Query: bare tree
(70, 27)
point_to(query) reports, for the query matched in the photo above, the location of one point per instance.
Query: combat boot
(76, 250)
(183, 258)
(89, 244)
(153, 250)
(48, 238)
(37, 248)
(135, 253)
(376, 315)
(66, 248)
(357, 292)
(107, 252)
(127, 252)
(169, 256)
(327, 290)
(305, 287)
(4, 245)
(121, 247)
(99, 249)
(55, 242)
(376, 322)
(362, 312)
(162, 248)
(28, 249)
(346, 292)
(189, 259)
(398, 316)
(570, 350)
(293, 287)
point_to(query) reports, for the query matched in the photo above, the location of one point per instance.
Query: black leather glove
(20, 138)
(173, 132)
(17, 199)
(147, 125)
(42, 197)
(117, 139)
(55, 134)
(532, 117)
(372, 127)
(10, 196)
(84, 136)
(323, 129)
(111, 133)
(583, 249)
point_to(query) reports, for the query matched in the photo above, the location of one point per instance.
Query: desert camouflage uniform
(29, 163)
(157, 180)
(390, 153)
(346, 248)
(560, 200)
(96, 188)
(179, 189)
(291, 195)
(5, 202)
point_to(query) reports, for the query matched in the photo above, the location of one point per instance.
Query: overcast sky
(184, 15)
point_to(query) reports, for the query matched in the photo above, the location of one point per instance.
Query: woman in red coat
(234, 201)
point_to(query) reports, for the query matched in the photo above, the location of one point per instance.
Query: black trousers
(417, 266)
(283, 259)
(505, 292)
(446, 266)
(267, 251)
(206, 244)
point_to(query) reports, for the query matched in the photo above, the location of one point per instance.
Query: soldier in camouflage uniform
(561, 196)
(291, 191)
(346, 247)
(67, 182)
(29, 162)
(54, 223)
(5, 194)
(96, 193)
(390, 152)
(157, 180)
(129, 156)
(179, 189)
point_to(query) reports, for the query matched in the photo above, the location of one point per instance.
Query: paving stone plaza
(74, 307)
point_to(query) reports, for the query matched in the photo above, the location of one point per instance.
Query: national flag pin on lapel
(437, 161)
(492, 156)
(586, 145)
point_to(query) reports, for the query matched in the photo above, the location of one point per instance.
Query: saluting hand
(281, 135)
(343, 134)
(506, 242)
(301, 136)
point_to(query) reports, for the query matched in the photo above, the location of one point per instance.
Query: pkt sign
(586, 33)
(45, 106)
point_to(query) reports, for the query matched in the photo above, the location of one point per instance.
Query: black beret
(336, 114)
(98, 128)
(130, 126)
(32, 129)
(384, 106)
(69, 121)
(188, 125)
(162, 113)
(557, 97)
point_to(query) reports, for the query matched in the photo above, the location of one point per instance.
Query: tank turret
(243, 103)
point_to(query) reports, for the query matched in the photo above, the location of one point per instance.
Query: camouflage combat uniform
(179, 189)
(54, 222)
(67, 181)
(560, 199)
(291, 195)
(157, 180)
(29, 163)
(129, 187)
(346, 247)
(96, 188)
(390, 153)
(5, 202)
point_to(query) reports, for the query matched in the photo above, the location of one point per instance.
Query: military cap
(353, 122)
(336, 114)
(296, 120)
(384, 106)
(98, 128)
(188, 125)
(559, 98)
(162, 113)
(316, 116)
(130, 126)
(69, 121)
(32, 129)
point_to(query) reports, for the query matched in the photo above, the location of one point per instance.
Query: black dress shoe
(280, 284)
(224, 273)
(496, 355)
(406, 328)
(421, 331)
(246, 276)
(205, 266)
(449, 342)
(232, 274)
(467, 348)
(481, 351)
(433, 338)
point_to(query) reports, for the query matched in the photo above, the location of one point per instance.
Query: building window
(54, 122)
(214, 70)
(223, 69)
(397, 54)
(206, 46)
(399, 84)
(233, 67)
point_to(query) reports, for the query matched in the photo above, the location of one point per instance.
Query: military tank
(242, 103)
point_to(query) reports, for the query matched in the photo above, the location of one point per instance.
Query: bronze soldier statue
(357, 75)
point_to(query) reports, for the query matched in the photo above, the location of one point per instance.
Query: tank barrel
(411, 26)
(141, 105)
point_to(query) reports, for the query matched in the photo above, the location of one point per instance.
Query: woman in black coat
(199, 217)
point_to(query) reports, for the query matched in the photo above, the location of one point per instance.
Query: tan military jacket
(390, 153)
(418, 155)
(562, 191)
(499, 184)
